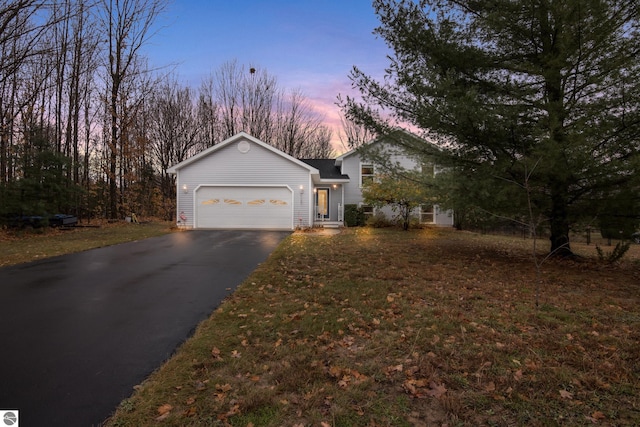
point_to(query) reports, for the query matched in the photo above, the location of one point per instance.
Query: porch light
(315, 190)
(302, 189)
(185, 189)
(335, 186)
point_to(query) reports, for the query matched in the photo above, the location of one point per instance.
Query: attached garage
(241, 206)
(244, 183)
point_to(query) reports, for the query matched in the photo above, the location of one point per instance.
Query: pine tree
(539, 95)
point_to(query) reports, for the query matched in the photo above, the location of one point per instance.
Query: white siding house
(244, 183)
(360, 168)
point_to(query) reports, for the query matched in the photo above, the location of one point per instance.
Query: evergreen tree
(537, 99)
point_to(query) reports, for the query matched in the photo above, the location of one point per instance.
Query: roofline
(340, 158)
(331, 181)
(174, 169)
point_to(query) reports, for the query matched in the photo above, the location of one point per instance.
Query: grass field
(379, 327)
(18, 246)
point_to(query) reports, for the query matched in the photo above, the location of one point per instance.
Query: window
(367, 210)
(426, 214)
(428, 169)
(366, 173)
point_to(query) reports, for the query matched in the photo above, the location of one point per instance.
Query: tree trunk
(113, 154)
(559, 223)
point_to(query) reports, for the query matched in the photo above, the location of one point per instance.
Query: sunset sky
(305, 44)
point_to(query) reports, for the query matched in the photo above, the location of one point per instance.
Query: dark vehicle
(38, 221)
(635, 237)
(62, 220)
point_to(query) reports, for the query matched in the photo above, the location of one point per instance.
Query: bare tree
(354, 135)
(128, 27)
(20, 45)
(174, 131)
(210, 118)
(298, 131)
(245, 98)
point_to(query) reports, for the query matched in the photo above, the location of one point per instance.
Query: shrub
(354, 216)
(615, 255)
(379, 220)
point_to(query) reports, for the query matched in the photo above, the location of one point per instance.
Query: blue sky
(308, 45)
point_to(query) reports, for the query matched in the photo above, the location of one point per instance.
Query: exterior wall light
(185, 189)
(302, 189)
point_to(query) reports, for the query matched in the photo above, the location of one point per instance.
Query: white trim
(373, 169)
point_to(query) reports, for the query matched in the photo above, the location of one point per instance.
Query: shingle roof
(327, 168)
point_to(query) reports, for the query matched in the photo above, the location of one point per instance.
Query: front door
(322, 203)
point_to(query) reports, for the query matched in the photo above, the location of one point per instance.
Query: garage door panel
(244, 207)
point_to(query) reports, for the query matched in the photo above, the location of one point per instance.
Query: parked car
(37, 221)
(636, 237)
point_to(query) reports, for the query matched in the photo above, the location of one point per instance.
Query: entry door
(322, 202)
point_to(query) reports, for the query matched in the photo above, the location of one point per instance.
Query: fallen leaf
(394, 368)
(190, 412)
(164, 409)
(335, 371)
(191, 400)
(436, 390)
(566, 394)
(163, 416)
(215, 353)
(223, 387)
(236, 354)
(518, 375)
(490, 387)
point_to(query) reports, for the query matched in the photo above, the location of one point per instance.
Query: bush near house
(354, 216)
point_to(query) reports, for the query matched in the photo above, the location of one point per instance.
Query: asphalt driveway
(77, 332)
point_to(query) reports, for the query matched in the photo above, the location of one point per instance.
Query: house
(244, 183)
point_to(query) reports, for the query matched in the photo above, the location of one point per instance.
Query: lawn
(18, 246)
(379, 327)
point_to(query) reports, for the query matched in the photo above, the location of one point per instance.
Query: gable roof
(238, 137)
(398, 131)
(328, 170)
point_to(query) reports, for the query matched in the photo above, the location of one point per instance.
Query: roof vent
(244, 147)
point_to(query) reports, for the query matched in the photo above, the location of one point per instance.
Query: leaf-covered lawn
(18, 246)
(421, 328)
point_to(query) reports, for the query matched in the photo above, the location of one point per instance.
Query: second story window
(366, 173)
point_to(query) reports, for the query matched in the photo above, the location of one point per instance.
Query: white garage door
(244, 207)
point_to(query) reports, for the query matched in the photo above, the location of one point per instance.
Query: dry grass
(19, 246)
(421, 328)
